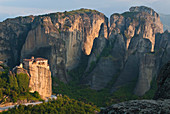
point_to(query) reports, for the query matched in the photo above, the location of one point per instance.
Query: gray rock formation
(60, 37)
(139, 107)
(141, 21)
(64, 36)
(131, 40)
(147, 72)
(98, 45)
(143, 9)
(13, 34)
(138, 25)
(162, 48)
(108, 65)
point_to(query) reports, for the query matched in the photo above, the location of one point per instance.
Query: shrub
(23, 82)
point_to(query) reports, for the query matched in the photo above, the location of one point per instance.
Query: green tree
(23, 82)
(36, 94)
(13, 82)
(1, 94)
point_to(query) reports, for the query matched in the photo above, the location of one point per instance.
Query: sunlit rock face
(38, 71)
(40, 76)
(62, 38)
(65, 37)
(141, 21)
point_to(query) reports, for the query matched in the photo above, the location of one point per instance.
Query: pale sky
(13, 8)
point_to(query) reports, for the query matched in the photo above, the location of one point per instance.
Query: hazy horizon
(14, 8)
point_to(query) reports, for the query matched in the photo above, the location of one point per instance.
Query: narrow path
(35, 103)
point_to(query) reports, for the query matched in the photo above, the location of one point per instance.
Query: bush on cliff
(23, 82)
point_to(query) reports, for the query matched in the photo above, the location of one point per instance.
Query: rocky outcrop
(13, 33)
(132, 68)
(147, 72)
(137, 25)
(98, 46)
(19, 70)
(40, 76)
(162, 48)
(143, 9)
(108, 64)
(141, 21)
(139, 106)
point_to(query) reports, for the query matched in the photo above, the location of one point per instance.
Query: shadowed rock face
(107, 66)
(13, 34)
(133, 67)
(163, 91)
(148, 106)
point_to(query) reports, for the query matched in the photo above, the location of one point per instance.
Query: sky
(14, 8)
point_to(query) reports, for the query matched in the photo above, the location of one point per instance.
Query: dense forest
(103, 97)
(63, 105)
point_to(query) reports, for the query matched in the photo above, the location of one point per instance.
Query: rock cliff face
(13, 33)
(108, 63)
(60, 37)
(128, 57)
(129, 51)
(141, 21)
(64, 36)
(40, 76)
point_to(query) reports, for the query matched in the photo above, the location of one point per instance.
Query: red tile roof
(36, 59)
(40, 59)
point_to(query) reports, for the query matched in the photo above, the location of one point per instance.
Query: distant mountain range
(165, 19)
